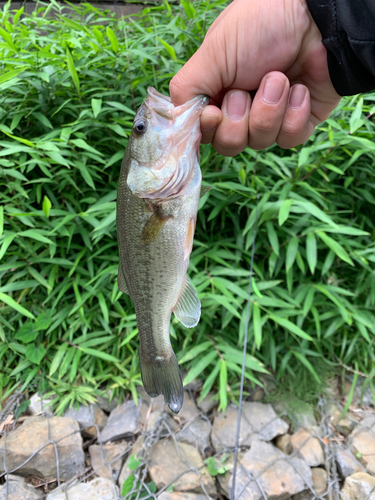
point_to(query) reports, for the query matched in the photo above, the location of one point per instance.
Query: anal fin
(121, 282)
(188, 307)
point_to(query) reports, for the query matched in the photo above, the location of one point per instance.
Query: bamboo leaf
(72, 71)
(311, 252)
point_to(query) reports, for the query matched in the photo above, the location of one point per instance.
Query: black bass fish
(157, 205)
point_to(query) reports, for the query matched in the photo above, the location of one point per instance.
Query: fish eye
(140, 127)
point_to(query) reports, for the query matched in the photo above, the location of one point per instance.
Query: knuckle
(262, 124)
(232, 144)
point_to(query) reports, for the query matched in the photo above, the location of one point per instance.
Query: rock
(284, 444)
(166, 465)
(308, 447)
(157, 403)
(257, 394)
(359, 486)
(123, 421)
(18, 489)
(98, 489)
(32, 436)
(319, 480)
(153, 420)
(367, 397)
(227, 461)
(87, 416)
(343, 425)
(258, 421)
(362, 443)
(113, 454)
(125, 471)
(207, 404)
(304, 416)
(188, 410)
(280, 478)
(38, 405)
(194, 386)
(347, 464)
(304, 495)
(197, 433)
(105, 403)
(170, 426)
(182, 496)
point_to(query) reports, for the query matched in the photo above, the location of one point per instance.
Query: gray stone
(307, 447)
(33, 436)
(304, 416)
(105, 403)
(347, 464)
(207, 404)
(98, 489)
(38, 405)
(194, 386)
(344, 425)
(196, 433)
(157, 403)
(166, 464)
(258, 422)
(362, 443)
(113, 454)
(319, 480)
(368, 396)
(188, 410)
(257, 394)
(123, 421)
(284, 444)
(278, 478)
(359, 486)
(125, 471)
(18, 489)
(304, 495)
(182, 496)
(227, 461)
(87, 417)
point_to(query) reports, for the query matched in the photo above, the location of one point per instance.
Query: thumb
(200, 75)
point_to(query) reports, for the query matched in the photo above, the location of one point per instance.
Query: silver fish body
(157, 204)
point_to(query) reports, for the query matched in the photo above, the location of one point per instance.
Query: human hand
(272, 47)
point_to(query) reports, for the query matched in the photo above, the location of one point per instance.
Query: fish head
(163, 145)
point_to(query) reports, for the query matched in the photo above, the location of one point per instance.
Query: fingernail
(236, 104)
(297, 96)
(273, 89)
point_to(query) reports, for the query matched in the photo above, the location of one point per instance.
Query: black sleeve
(348, 30)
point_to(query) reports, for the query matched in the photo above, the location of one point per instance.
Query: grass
(70, 86)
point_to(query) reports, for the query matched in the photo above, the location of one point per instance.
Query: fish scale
(155, 211)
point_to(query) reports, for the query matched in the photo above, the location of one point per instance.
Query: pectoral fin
(121, 282)
(189, 238)
(204, 190)
(188, 307)
(153, 227)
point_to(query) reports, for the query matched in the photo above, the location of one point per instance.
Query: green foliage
(69, 90)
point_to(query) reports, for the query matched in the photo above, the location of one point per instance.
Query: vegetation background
(69, 88)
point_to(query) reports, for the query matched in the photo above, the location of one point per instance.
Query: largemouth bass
(157, 204)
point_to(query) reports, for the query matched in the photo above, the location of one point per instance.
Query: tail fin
(161, 375)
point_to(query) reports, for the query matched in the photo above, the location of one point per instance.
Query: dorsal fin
(188, 307)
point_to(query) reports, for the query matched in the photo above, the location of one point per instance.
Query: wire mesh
(162, 431)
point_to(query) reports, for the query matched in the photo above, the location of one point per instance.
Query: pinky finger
(296, 127)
